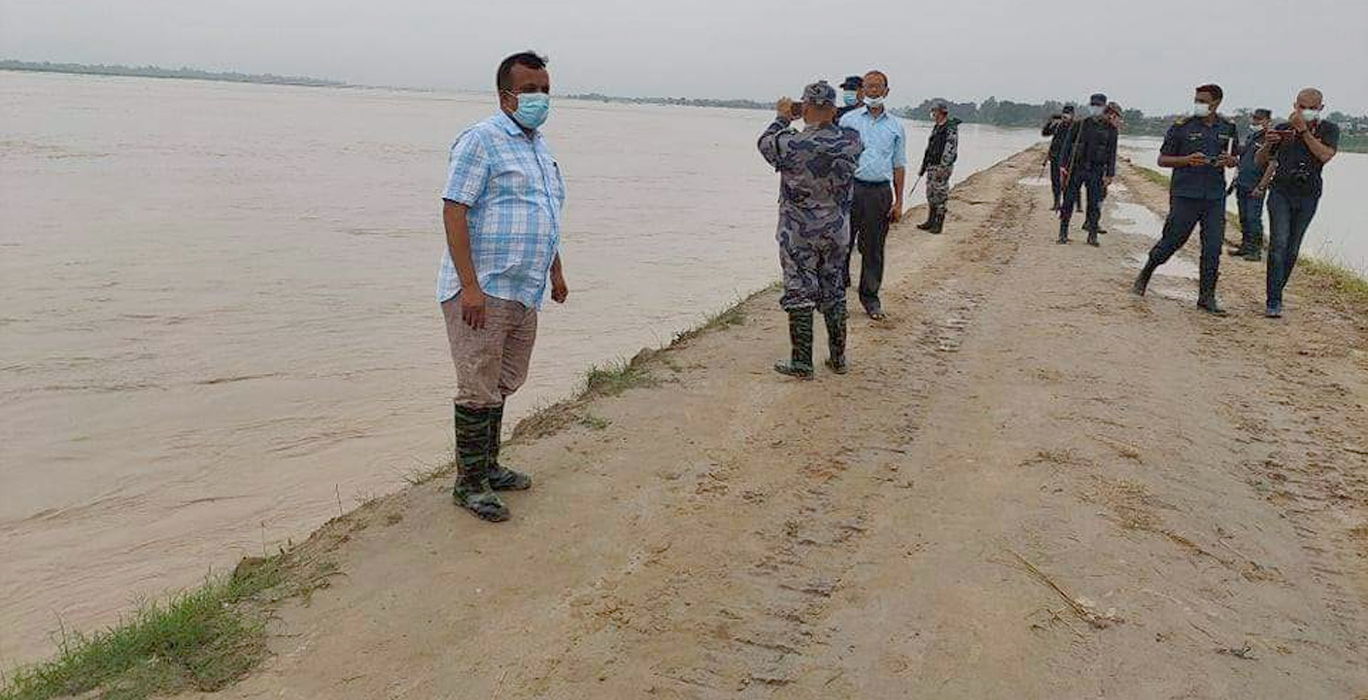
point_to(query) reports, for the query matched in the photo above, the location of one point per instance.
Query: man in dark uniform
(1088, 159)
(1199, 148)
(852, 96)
(1250, 201)
(1057, 129)
(817, 171)
(1302, 146)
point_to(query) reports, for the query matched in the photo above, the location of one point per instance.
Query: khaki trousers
(491, 363)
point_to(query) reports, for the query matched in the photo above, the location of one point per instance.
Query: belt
(865, 183)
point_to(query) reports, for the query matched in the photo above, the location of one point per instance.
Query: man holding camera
(1057, 129)
(816, 167)
(1088, 159)
(875, 205)
(1301, 147)
(1250, 198)
(1199, 148)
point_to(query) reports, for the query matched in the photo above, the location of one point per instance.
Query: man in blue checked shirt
(501, 209)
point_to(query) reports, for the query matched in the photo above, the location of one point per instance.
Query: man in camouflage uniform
(817, 170)
(938, 162)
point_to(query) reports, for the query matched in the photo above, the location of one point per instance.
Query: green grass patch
(1154, 176)
(1339, 281)
(201, 640)
(594, 422)
(616, 377)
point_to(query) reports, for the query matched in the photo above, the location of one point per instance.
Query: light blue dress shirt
(885, 144)
(513, 188)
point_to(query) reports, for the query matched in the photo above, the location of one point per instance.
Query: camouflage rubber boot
(836, 340)
(474, 455)
(800, 336)
(937, 220)
(500, 477)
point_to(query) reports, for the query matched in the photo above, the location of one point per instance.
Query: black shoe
(799, 363)
(1253, 256)
(1273, 310)
(836, 340)
(1092, 238)
(1237, 252)
(475, 444)
(1143, 280)
(930, 217)
(1063, 233)
(937, 221)
(1209, 304)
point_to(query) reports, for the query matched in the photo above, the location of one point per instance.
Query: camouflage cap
(819, 94)
(940, 105)
(1114, 107)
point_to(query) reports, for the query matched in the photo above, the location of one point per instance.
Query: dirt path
(1196, 487)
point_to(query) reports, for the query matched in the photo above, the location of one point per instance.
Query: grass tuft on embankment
(203, 640)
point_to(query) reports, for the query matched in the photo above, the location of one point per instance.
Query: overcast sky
(1143, 54)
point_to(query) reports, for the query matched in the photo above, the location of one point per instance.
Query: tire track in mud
(736, 607)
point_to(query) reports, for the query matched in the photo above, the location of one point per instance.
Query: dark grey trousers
(868, 231)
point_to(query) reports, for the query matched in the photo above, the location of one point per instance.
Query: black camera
(1301, 179)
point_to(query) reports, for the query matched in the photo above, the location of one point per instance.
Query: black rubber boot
(800, 337)
(1206, 299)
(501, 478)
(836, 340)
(1142, 282)
(1063, 232)
(937, 220)
(475, 440)
(930, 218)
(1092, 237)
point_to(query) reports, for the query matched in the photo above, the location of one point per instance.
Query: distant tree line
(676, 101)
(1006, 113)
(156, 72)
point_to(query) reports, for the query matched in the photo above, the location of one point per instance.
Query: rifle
(1073, 156)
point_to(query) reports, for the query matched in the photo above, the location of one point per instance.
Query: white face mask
(1310, 115)
(873, 102)
(1201, 109)
(1256, 128)
(1096, 110)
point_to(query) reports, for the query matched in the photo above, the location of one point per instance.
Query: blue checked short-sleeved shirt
(885, 144)
(513, 188)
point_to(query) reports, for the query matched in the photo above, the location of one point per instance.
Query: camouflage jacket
(816, 168)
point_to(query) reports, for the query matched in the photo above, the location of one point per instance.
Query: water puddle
(1129, 217)
(1037, 182)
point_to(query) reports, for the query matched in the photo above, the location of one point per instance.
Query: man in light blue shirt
(878, 195)
(501, 210)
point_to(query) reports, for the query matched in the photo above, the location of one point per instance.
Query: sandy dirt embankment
(1031, 485)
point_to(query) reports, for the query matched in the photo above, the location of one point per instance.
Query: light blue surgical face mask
(1256, 128)
(1310, 115)
(874, 102)
(849, 98)
(533, 108)
(1096, 110)
(1201, 109)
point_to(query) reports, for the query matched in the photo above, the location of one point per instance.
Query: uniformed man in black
(1088, 159)
(852, 96)
(1249, 199)
(1199, 148)
(1057, 129)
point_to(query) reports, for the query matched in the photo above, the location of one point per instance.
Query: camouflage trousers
(938, 185)
(814, 271)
